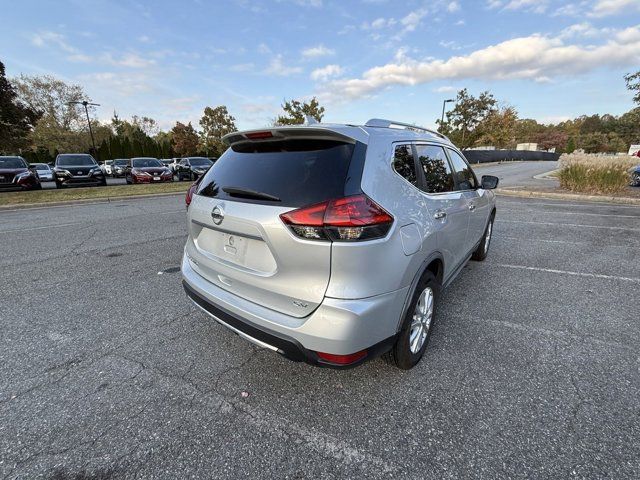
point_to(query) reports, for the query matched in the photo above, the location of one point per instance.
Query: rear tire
(483, 249)
(412, 340)
(126, 179)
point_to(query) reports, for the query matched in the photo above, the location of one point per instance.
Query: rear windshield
(145, 163)
(121, 163)
(41, 167)
(12, 162)
(297, 172)
(75, 160)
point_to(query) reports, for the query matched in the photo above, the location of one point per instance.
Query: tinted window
(145, 163)
(12, 162)
(75, 160)
(298, 172)
(42, 167)
(464, 175)
(200, 162)
(437, 172)
(403, 163)
(121, 163)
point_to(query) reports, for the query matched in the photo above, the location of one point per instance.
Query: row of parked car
(80, 169)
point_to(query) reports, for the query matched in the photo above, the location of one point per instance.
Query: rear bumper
(339, 327)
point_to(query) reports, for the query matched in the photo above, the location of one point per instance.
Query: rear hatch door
(237, 240)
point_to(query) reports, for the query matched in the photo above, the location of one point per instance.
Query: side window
(437, 172)
(403, 163)
(464, 175)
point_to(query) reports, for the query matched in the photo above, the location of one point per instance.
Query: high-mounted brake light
(259, 135)
(344, 219)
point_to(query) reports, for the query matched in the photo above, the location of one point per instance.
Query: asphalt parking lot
(106, 371)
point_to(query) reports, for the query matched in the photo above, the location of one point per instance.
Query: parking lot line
(566, 272)
(42, 227)
(520, 239)
(518, 210)
(569, 225)
(504, 202)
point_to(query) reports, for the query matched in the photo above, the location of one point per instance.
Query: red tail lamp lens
(190, 192)
(344, 219)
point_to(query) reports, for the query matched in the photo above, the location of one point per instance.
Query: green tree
(295, 112)
(498, 128)
(462, 120)
(215, 123)
(16, 119)
(633, 84)
(184, 139)
(571, 145)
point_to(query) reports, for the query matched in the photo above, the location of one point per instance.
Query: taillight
(344, 219)
(190, 192)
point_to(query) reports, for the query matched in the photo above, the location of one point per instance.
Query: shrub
(595, 173)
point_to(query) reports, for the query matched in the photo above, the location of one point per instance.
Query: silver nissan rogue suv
(331, 244)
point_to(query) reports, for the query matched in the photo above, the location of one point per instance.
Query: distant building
(488, 147)
(527, 146)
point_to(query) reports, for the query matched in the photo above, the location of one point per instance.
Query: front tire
(483, 249)
(417, 324)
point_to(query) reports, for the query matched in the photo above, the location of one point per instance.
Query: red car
(147, 170)
(15, 174)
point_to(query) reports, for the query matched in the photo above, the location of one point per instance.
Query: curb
(86, 201)
(567, 196)
(547, 175)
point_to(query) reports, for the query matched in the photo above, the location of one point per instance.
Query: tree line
(39, 120)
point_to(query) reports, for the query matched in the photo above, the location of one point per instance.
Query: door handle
(439, 215)
(472, 206)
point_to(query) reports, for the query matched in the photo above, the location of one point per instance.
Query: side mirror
(489, 182)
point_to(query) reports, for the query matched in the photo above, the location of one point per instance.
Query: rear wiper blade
(247, 193)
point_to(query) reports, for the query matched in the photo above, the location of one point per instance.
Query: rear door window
(297, 172)
(404, 164)
(465, 177)
(435, 166)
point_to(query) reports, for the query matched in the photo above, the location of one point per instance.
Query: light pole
(444, 104)
(86, 104)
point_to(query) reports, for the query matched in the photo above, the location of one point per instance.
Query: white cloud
(603, 8)
(324, 73)
(47, 38)
(535, 57)
(278, 68)
(413, 19)
(534, 6)
(453, 6)
(317, 51)
(445, 89)
(583, 30)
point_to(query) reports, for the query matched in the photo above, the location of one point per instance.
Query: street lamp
(86, 104)
(444, 104)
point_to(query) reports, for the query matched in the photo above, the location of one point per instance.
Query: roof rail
(380, 122)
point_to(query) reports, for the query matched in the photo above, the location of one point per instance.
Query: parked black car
(191, 168)
(16, 174)
(78, 169)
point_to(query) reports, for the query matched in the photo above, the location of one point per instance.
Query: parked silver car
(45, 173)
(331, 244)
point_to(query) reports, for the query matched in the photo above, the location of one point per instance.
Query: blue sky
(550, 59)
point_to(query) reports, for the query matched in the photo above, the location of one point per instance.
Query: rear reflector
(258, 135)
(342, 359)
(344, 219)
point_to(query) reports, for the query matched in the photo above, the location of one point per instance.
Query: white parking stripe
(42, 227)
(573, 213)
(565, 272)
(512, 201)
(569, 225)
(520, 239)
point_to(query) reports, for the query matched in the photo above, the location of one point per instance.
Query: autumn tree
(462, 120)
(16, 119)
(295, 112)
(633, 84)
(498, 128)
(215, 123)
(184, 139)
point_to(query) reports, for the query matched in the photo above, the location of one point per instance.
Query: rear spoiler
(285, 133)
